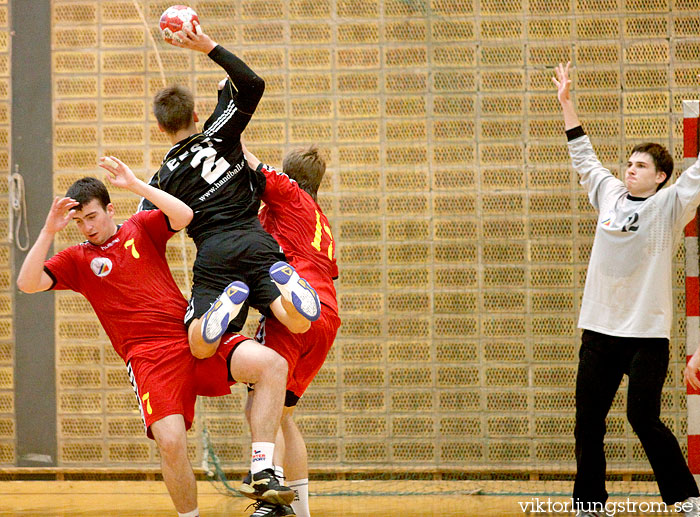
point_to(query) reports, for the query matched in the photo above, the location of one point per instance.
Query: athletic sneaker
(265, 487)
(695, 510)
(263, 509)
(296, 290)
(224, 309)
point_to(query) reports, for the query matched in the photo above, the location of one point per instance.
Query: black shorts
(234, 255)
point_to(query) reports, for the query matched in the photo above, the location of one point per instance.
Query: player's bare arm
(120, 175)
(252, 160)
(32, 278)
(563, 83)
(690, 374)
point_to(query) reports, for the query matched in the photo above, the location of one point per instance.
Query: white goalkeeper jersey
(628, 289)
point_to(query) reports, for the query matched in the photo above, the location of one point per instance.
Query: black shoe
(264, 486)
(263, 509)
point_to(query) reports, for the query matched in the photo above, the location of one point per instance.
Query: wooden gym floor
(150, 498)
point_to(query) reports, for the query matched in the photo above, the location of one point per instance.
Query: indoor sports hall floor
(150, 498)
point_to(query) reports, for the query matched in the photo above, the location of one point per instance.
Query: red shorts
(305, 353)
(168, 384)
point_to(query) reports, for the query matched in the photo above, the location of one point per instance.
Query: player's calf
(226, 307)
(296, 290)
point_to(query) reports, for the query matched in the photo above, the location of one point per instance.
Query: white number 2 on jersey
(211, 170)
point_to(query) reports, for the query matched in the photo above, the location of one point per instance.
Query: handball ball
(177, 17)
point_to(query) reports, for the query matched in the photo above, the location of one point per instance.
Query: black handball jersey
(207, 170)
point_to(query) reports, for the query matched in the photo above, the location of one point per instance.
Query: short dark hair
(663, 161)
(173, 107)
(86, 189)
(306, 167)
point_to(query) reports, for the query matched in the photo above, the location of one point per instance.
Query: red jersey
(129, 285)
(297, 223)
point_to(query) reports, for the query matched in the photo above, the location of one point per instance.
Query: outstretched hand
(690, 374)
(563, 82)
(193, 40)
(60, 214)
(119, 174)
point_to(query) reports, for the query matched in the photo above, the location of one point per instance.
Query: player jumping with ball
(237, 263)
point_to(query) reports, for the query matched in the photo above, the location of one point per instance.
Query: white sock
(193, 513)
(279, 474)
(301, 497)
(261, 457)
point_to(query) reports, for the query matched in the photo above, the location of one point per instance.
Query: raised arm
(119, 175)
(685, 196)
(32, 278)
(596, 179)
(252, 160)
(249, 85)
(563, 83)
(276, 190)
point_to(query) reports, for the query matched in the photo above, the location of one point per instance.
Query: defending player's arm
(685, 195)
(279, 188)
(252, 160)
(690, 374)
(593, 175)
(563, 83)
(32, 278)
(178, 213)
